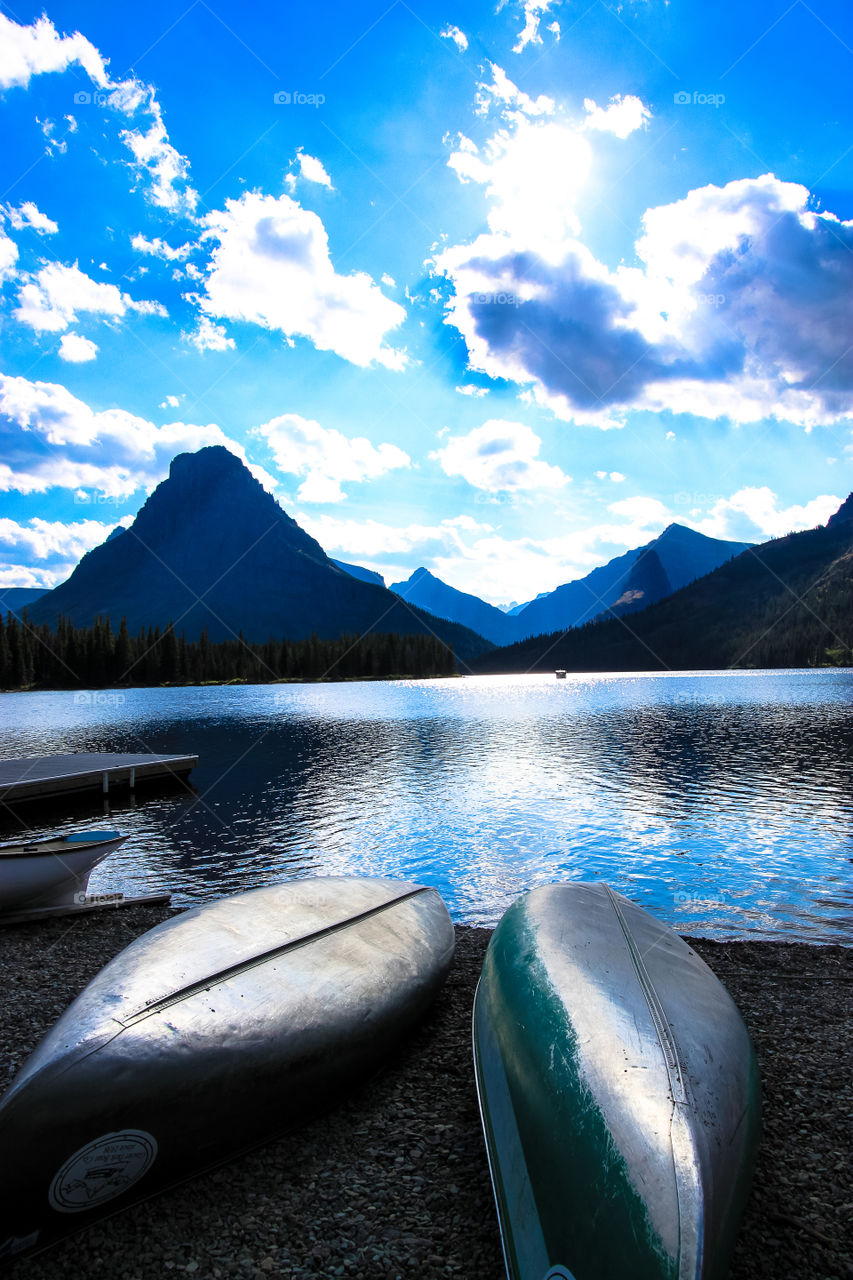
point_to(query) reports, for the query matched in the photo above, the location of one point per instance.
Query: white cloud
(533, 11)
(49, 438)
(622, 116)
(209, 336)
(326, 457)
(503, 94)
(77, 349)
(28, 215)
(154, 156)
(616, 476)
(46, 540)
(53, 297)
(8, 256)
(171, 402)
(158, 248)
(741, 308)
(477, 558)
(468, 389)
(33, 50)
(499, 456)
(272, 267)
(753, 514)
(310, 169)
(458, 37)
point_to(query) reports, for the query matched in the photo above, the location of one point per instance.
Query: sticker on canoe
(102, 1170)
(559, 1273)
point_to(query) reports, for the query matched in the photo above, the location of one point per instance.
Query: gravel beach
(394, 1184)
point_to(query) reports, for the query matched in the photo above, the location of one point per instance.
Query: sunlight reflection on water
(723, 802)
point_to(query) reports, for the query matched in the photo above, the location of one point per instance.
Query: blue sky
(501, 291)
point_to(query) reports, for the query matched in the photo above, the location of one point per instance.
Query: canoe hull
(178, 1058)
(619, 1093)
(54, 873)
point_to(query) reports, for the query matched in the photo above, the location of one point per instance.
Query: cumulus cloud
(208, 336)
(49, 438)
(499, 456)
(52, 299)
(533, 11)
(39, 539)
(76, 349)
(158, 248)
(458, 37)
(325, 457)
(742, 306)
(310, 169)
(28, 215)
(8, 256)
(753, 514)
(166, 170)
(621, 116)
(271, 266)
(33, 50)
(26, 51)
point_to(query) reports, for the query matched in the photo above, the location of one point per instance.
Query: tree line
(98, 657)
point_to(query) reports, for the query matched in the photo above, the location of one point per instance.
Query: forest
(36, 657)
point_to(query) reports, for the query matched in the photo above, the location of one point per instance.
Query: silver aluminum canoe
(210, 1034)
(618, 1090)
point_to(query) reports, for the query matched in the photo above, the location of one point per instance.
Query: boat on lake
(214, 1032)
(36, 875)
(618, 1091)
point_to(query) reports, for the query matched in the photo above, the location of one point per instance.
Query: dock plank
(40, 777)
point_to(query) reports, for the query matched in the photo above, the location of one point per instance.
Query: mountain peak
(843, 515)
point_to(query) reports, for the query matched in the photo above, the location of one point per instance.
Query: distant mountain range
(627, 583)
(787, 602)
(212, 550)
(13, 599)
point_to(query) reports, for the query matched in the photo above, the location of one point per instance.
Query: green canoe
(618, 1090)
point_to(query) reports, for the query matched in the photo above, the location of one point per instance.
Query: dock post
(132, 778)
(106, 783)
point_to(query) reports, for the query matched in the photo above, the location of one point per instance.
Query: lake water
(722, 802)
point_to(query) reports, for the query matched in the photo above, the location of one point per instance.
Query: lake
(722, 802)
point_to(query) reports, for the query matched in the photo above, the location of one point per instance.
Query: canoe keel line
(618, 1091)
(211, 1034)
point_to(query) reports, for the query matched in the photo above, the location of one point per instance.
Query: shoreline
(394, 1182)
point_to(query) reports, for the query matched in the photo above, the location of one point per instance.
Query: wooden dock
(47, 777)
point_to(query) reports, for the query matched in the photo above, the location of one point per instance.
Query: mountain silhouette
(212, 550)
(784, 603)
(429, 592)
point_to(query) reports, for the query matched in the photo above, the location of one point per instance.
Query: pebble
(394, 1183)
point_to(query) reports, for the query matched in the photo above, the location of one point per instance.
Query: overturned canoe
(618, 1090)
(210, 1034)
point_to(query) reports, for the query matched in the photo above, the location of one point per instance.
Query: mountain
(356, 571)
(683, 553)
(211, 549)
(787, 602)
(628, 582)
(13, 599)
(429, 592)
(647, 582)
